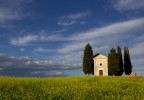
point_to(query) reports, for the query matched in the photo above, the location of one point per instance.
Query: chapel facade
(100, 65)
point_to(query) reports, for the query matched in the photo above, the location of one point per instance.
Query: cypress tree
(112, 62)
(120, 60)
(127, 61)
(88, 64)
(115, 64)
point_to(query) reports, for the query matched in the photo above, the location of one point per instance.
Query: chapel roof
(97, 55)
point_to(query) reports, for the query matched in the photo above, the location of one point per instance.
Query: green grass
(72, 88)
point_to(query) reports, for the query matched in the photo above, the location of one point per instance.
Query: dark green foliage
(110, 62)
(119, 53)
(127, 61)
(113, 68)
(88, 63)
(115, 62)
(112, 51)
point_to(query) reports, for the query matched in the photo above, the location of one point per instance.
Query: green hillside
(72, 88)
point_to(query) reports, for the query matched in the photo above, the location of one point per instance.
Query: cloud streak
(113, 29)
(76, 15)
(12, 11)
(7, 61)
(40, 49)
(23, 40)
(26, 66)
(72, 18)
(93, 36)
(125, 5)
(8, 15)
(27, 39)
(103, 35)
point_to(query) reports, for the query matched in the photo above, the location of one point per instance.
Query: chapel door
(101, 72)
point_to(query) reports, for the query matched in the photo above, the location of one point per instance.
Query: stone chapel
(100, 65)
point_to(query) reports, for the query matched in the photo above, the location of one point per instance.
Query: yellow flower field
(72, 88)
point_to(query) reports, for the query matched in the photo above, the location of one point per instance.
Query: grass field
(72, 88)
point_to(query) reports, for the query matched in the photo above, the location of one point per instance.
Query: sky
(42, 38)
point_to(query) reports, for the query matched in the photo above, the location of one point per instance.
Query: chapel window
(100, 64)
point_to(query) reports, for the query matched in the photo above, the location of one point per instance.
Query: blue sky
(47, 37)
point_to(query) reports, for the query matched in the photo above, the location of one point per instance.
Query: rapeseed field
(72, 88)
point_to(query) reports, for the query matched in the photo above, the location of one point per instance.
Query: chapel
(100, 65)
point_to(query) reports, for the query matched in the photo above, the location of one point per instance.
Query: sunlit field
(72, 88)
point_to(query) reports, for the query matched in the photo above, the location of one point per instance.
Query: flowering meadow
(72, 88)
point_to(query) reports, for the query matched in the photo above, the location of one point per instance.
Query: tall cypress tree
(88, 66)
(113, 68)
(120, 60)
(127, 61)
(110, 62)
(115, 62)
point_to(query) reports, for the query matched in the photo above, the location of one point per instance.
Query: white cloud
(1, 68)
(137, 49)
(60, 31)
(72, 57)
(43, 63)
(22, 49)
(113, 29)
(8, 14)
(76, 15)
(66, 23)
(25, 66)
(101, 48)
(93, 35)
(40, 49)
(125, 5)
(72, 18)
(97, 36)
(12, 10)
(23, 40)
(72, 47)
(103, 36)
(7, 61)
(55, 37)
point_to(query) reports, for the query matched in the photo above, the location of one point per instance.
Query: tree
(115, 62)
(88, 64)
(127, 61)
(120, 60)
(111, 62)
